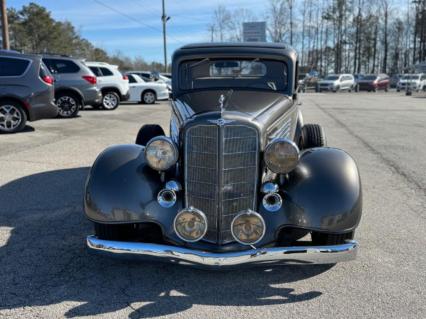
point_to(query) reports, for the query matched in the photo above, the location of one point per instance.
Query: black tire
(12, 117)
(69, 104)
(148, 97)
(398, 90)
(330, 239)
(337, 89)
(147, 132)
(313, 135)
(110, 100)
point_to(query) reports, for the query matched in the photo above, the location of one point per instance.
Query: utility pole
(5, 26)
(164, 19)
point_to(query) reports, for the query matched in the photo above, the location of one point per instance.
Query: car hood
(327, 82)
(250, 103)
(265, 110)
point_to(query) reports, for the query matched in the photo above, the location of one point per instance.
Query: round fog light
(190, 224)
(248, 227)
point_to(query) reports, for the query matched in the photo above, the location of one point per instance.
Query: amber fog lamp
(190, 224)
(281, 155)
(161, 153)
(248, 228)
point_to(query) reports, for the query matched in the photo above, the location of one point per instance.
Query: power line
(131, 18)
(174, 27)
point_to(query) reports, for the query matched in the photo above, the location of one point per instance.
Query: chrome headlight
(190, 224)
(161, 153)
(248, 228)
(281, 155)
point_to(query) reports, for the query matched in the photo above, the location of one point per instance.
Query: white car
(337, 82)
(416, 82)
(165, 80)
(113, 85)
(146, 92)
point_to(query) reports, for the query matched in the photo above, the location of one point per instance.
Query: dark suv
(26, 91)
(75, 84)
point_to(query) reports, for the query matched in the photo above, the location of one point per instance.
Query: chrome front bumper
(302, 255)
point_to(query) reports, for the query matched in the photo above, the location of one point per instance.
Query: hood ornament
(222, 100)
(223, 103)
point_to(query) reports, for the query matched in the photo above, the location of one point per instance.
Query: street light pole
(164, 19)
(5, 26)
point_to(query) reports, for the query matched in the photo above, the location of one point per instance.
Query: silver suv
(75, 84)
(26, 91)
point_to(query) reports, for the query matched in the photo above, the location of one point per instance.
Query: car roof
(12, 53)
(270, 45)
(61, 57)
(237, 48)
(93, 63)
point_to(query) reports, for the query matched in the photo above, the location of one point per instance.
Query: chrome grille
(221, 165)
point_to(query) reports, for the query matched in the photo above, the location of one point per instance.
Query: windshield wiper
(198, 63)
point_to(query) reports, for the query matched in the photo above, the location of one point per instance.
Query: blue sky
(114, 32)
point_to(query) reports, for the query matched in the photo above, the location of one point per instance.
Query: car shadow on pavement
(44, 262)
(27, 129)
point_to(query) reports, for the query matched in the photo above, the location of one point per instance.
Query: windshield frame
(178, 90)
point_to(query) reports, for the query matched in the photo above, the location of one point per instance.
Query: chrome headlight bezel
(248, 213)
(291, 162)
(197, 212)
(173, 155)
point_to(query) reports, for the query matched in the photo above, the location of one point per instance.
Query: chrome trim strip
(301, 255)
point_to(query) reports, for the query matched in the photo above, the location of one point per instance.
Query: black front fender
(323, 193)
(121, 188)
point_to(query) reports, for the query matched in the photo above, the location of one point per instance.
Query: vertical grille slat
(221, 165)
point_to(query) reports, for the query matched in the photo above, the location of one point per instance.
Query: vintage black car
(239, 180)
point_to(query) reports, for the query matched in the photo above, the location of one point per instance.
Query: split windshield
(259, 74)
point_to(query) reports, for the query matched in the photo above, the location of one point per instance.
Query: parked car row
(360, 82)
(414, 82)
(35, 87)
(26, 91)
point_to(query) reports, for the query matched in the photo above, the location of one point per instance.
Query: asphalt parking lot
(46, 271)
